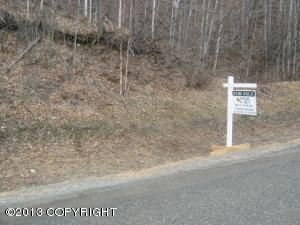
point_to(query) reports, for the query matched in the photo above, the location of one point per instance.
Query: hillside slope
(62, 116)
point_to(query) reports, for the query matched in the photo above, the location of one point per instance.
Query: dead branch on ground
(20, 56)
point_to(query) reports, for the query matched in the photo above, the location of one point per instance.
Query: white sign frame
(230, 108)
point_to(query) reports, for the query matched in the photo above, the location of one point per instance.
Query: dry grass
(69, 122)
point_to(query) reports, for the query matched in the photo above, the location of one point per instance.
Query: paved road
(261, 191)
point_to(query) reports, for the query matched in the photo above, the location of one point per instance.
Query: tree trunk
(27, 9)
(219, 38)
(265, 37)
(99, 6)
(172, 24)
(251, 47)
(41, 5)
(295, 39)
(121, 69)
(85, 8)
(201, 29)
(120, 14)
(153, 19)
(130, 16)
(90, 11)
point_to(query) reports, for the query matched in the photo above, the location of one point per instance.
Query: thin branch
(32, 44)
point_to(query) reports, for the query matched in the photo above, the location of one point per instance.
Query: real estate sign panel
(244, 102)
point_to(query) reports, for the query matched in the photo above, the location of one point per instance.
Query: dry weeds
(70, 123)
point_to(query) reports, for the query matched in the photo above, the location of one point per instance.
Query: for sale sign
(244, 102)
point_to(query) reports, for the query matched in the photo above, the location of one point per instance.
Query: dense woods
(257, 39)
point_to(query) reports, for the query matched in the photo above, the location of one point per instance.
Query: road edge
(68, 189)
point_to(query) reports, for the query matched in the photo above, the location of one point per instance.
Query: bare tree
(262, 37)
(120, 14)
(90, 10)
(99, 17)
(41, 5)
(219, 38)
(85, 8)
(153, 19)
(27, 8)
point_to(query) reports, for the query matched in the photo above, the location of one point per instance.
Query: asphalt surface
(264, 190)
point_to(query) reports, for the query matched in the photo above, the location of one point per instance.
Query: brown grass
(69, 123)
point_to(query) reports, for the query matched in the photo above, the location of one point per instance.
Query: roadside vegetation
(90, 88)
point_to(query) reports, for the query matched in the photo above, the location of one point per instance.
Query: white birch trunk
(283, 59)
(130, 16)
(265, 37)
(219, 39)
(41, 5)
(207, 19)
(270, 16)
(153, 19)
(121, 49)
(289, 53)
(295, 38)
(120, 15)
(180, 30)
(251, 47)
(121, 68)
(243, 22)
(126, 86)
(90, 12)
(175, 6)
(210, 30)
(172, 21)
(86, 8)
(125, 91)
(27, 9)
(145, 9)
(186, 34)
(202, 28)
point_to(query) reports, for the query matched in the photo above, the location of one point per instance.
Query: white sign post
(240, 101)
